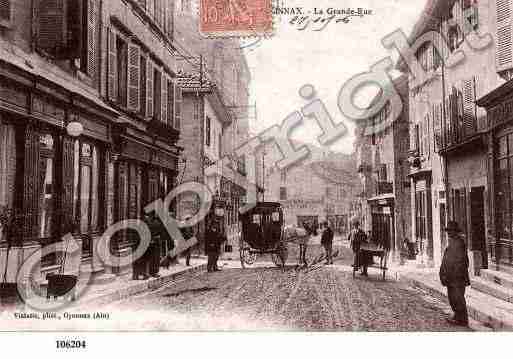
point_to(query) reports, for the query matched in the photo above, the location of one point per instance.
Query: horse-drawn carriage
(262, 233)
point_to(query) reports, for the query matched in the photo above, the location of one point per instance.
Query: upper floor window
(161, 12)
(69, 30)
(283, 176)
(283, 193)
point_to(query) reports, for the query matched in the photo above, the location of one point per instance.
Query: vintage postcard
(256, 165)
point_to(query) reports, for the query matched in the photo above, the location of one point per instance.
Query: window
(170, 103)
(86, 195)
(283, 193)
(142, 84)
(122, 68)
(382, 173)
(7, 165)
(504, 183)
(157, 90)
(219, 145)
(47, 185)
(60, 28)
(208, 131)
(283, 176)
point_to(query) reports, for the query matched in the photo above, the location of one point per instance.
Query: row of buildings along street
(448, 155)
(107, 106)
(152, 103)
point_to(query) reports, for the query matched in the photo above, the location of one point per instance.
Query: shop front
(422, 216)
(54, 147)
(499, 140)
(144, 170)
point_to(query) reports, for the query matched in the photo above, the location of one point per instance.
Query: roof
(194, 83)
(495, 96)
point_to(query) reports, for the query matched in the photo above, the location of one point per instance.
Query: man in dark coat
(187, 233)
(158, 234)
(327, 242)
(357, 238)
(454, 273)
(213, 241)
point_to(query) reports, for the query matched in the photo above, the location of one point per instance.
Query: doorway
(477, 222)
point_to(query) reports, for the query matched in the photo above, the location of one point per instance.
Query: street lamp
(75, 129)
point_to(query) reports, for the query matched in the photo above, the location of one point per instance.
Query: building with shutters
(110, 66)
(448, 152)
(381, 149)
(215, 80)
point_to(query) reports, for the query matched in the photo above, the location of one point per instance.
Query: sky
(326, 59)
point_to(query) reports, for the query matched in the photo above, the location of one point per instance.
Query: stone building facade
(381, 149)
(316, 189)
(89, 120)
(449, 173)
(216, 78)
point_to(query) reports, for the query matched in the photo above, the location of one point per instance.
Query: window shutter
(52, 26)
(112, 68)
(164, 97)
(171, 103)
(133, 77)
(5, 10)
(437, 137)
(170, 18)
(469, 109)
(149, 88)
(504, 55)
(93, 16)
(178, 106)
(150, 8)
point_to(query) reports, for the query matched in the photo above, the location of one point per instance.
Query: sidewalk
(124, 286)
(487, 310)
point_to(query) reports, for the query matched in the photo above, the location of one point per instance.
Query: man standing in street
(327, 242)
(213, 241)
(454, 273)
(357, 238)
(187, 233)
(157, 231)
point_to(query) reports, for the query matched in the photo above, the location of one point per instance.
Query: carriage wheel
(246, 257)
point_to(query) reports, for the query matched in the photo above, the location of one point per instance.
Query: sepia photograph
(256, 166)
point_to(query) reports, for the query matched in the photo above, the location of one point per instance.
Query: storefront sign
(44, 107)
(301, 204)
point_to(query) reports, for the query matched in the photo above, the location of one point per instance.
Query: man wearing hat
(187, 233)
(454, 273)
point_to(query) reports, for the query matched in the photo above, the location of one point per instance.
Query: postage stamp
(236, 18)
